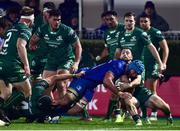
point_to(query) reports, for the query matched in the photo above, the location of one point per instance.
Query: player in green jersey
(14, 65)
(136, 39)
(38, 58)
(64, 49)
(143, 96)
(61, 41)
(111, 35)
(111, 44)
(151, 71)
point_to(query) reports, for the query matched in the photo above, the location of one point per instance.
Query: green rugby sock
(85, 114)
(111, 107)
(15, 98)
(144, 111)
(1, 102)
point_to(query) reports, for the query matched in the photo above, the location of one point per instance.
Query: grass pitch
(73, 123)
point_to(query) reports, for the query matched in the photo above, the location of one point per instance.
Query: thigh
(5, 89)
(155, 102)
(24, 86)
(47, 73)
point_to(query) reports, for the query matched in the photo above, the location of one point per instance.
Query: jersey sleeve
(159, 36)
(71, 36)
(25, 34)
(145, 38)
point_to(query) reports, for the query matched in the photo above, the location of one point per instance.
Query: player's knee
(27, 92)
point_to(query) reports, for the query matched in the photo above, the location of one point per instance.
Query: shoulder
(155, 31)
(117, 62)
(23, 28)
(64, 27)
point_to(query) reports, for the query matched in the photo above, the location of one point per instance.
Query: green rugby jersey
(9, 50)
(60, 42)
(156, 37)
(136, 41)
(111, 39)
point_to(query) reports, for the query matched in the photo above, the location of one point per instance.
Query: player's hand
(32, 47)
(123, 86)
(161, 67)
(78, 75)
(74, 68)
(27, 70)
(164, 66)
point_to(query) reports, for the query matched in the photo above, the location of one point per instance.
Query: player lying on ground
(37, 92)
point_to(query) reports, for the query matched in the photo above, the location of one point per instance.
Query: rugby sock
(1, 102)
(85, 113)
(111, 107)
(154, 110)
(117, 111)
(144, 111)
(136, 118)
(15, 98)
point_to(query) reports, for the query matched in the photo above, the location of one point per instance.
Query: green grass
(73, 123)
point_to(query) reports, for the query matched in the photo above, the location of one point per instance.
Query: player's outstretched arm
(53, 79)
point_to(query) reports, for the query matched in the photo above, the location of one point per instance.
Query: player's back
(97, 73)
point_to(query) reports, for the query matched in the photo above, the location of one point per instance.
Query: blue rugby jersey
(97, 73)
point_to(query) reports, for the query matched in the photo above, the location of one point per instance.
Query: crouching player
(142, 96)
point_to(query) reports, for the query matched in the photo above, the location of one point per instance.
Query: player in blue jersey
(81, 90)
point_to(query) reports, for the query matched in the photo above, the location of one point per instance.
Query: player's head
(145, 22)
(111, 19)
(135, 68)
(27, 15)
(129, 20)
(126, 54)
(46, 8)
(54, 18)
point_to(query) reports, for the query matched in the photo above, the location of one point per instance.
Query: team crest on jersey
(122, 40)
(117, 34)
(108, 37)
(59, 38)
(111, 32)
(46, 37)
(133, 39)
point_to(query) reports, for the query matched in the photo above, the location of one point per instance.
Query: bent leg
(156, 102)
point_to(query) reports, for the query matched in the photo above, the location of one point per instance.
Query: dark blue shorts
(84, 88)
